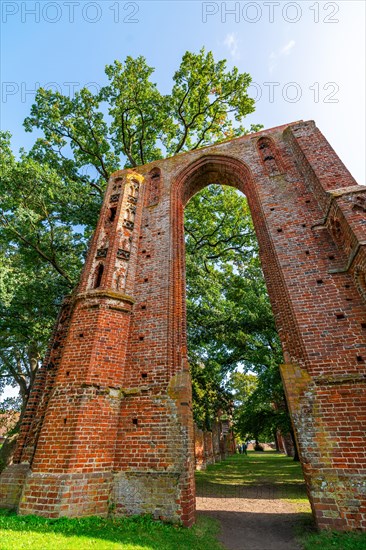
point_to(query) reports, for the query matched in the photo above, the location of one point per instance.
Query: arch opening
(231, 335)
(222, 171)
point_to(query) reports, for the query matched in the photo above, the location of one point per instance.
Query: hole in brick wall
(81, 335)
(148, 256)
(340, 315)
(143, 307)
(143, 251)
(144, 375)
(347, 286)
(135, 421)
(363, 325)
(307, 252)
(304, 224)
(331, 257)
(359, 358)
(145, 280)
(114, 198)
(67, 373)
(65, 420)
(146, 225)
(112, 213)
(279, 230)
(319, 281)
(99, 274)
(271, 209)
(307, 201)
(140, 237)
(141, 338)
(158, 232)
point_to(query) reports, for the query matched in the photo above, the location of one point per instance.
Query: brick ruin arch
(108, 427)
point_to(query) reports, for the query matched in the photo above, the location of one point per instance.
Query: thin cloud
(232, 43)
(286, 50)
(276, 55)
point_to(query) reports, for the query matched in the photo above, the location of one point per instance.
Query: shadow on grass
(133, 533)
(251, 470)
(260, 491)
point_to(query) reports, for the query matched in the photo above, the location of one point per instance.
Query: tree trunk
(276, 442)
(296, 452)
(25, 382)
(8, 447)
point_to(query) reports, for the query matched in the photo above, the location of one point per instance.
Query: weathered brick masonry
(109, 428)
(214, 445)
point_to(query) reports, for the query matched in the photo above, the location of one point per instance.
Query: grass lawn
(267, 470)
(334, 541)
(35, 533)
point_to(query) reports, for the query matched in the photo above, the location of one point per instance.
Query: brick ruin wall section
(109, 426)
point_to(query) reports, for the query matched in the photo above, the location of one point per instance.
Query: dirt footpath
(252, 519)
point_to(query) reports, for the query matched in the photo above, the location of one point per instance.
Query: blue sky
(307, 59)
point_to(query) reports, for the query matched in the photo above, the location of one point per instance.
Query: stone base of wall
(338, 501)
(95, 494)
(72, 494)
(11, 485)
(155, 493)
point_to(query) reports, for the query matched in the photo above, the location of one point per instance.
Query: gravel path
(251, 518)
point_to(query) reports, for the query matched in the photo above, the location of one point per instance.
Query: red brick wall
(114, 407)
(199, 449)
(209, 456)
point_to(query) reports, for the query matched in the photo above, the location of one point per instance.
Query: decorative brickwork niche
(108, 427)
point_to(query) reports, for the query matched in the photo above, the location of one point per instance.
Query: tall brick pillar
(109, 425)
